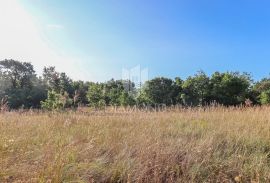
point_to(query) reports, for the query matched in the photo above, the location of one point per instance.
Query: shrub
(265, 97)
(56, 101)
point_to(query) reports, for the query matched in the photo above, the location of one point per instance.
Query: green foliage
(5, 84)
(230, 88)
(265, 97)
(25, 97)
(96, 95)
(113, 90)
(56, 81)
(261, 90)
(56, 101)
(19, 82)
(23, 88)
(142, 98)
(18, 73)
(160, 91)
(262, 85)
(65, 84)
(51, 78)
(80, 91)
(196, 89)
(126, 99)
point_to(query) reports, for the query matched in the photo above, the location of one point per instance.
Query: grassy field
(192, 145)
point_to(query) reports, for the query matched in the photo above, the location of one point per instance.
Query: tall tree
(113, 91)
(18, 73)
(96, 95)
(65, 84)
(52, 78)
(160, 91)
(126, 99)
(80, 92)
(261, 90)
(19, 82)
(196, 89)
(230, 88)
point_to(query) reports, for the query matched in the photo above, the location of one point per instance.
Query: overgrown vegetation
(199, 142)
(178, 145)
(54, 90)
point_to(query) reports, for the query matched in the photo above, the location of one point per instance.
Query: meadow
(184, 145)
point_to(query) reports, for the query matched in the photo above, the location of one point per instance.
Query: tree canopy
(20, 85)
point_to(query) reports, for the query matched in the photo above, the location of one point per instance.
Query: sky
(94, 40)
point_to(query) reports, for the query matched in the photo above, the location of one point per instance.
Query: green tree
(80, 92)
(159, 91)
(126, 99)
(113, 90)
(56, 101)
(129, 87)
(261, 91)
(20, 74)
(5, 84)
(65, 84)
(96, 95)
(196, 89)
(230, 88)
(60, 83)
(52, 78)
(19, 82)
(179, 90)
(38, 93)
(265, 97)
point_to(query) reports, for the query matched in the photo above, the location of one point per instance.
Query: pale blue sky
(95, 39)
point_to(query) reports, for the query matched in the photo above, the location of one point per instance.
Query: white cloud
(21, 39)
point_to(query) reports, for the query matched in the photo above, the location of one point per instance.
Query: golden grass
(192, 145)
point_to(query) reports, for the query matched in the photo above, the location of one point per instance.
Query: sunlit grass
(192, 145)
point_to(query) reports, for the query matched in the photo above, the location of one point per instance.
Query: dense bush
(56, 101)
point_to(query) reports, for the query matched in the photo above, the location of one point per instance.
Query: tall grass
(188, 145)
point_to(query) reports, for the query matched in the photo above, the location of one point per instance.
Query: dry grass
(216, 145)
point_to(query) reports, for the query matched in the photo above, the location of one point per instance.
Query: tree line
(20, 87)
